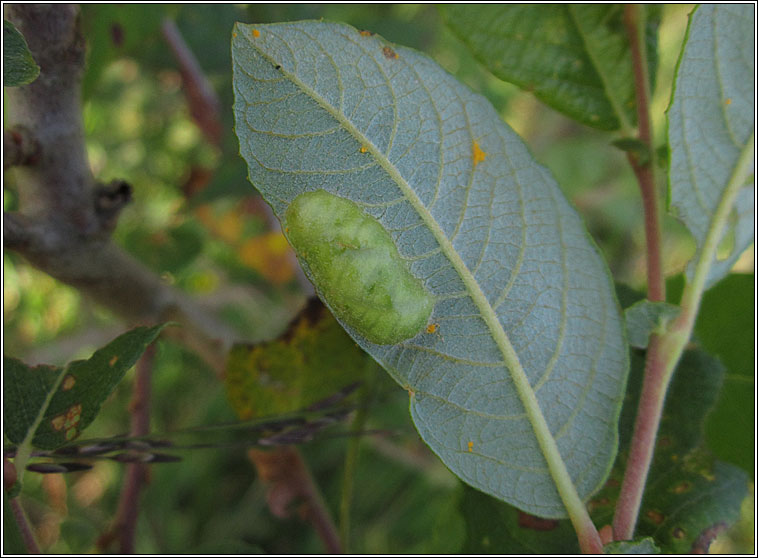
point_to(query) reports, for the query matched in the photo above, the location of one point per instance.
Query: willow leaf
(517, 380)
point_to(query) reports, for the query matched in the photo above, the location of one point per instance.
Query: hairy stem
(634, 20)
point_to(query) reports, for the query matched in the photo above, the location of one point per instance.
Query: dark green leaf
(66, 400)
(19, 67)
(13, 541)
(575, 58)
(494, 527)
(689, 496)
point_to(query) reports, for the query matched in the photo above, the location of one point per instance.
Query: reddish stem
(23, 526)
(125, 525)
(643, 442)
(644, 170)
(656, 379)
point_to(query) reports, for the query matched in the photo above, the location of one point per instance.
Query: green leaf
(312, 360)
(523, 362)
(644, 318)
(711, 135)
(575, 58)
(50, 406)
(13, 540)
(725, 327)
(19, 67)
(494, 527)
(645, 545)
(689, 496)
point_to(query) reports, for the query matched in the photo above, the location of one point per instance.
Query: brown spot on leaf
(655, 516)
(389, 53)
(535, 523)
(678, 533)
(68, 382)
(682, 487)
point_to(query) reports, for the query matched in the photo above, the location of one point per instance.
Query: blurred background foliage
(198, 222)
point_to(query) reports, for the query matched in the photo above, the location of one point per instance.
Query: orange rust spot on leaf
(471, 446)
(73, 415)
(363, 149)
(389, 53)
(478, 154)
(655, 516)
(256, 33)
(432, 328)
(113, 360)
(234, 35)
(68, 382)
(728, 102)
(366, 33)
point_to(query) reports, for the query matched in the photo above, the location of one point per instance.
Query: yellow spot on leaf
(57, 422)
(478, 154)
(256, 33)
(363, 149)
(728, 102)
(113, 360)
(68, 382)
(471, 446)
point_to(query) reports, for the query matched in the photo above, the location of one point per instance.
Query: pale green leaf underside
(519, 285)
(710, 123)
(644, 318)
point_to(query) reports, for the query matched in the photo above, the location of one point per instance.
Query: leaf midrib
(547, 443)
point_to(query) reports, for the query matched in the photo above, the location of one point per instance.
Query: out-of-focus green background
(198, 222)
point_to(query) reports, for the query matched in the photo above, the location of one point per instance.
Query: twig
(23, 526)
(289, 481)
(204, 104)
(62, 227)
(634, 20)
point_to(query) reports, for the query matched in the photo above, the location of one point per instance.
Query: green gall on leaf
(356, 267)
